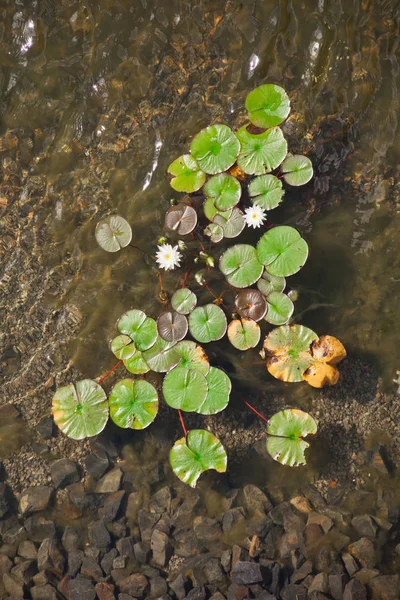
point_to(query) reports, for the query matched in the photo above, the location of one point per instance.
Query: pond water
(99, 98)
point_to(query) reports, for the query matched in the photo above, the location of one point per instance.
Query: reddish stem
(256, 411)
(182, 422)
(217, 298)
(109, 372)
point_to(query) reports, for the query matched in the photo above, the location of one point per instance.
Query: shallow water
(100, 97)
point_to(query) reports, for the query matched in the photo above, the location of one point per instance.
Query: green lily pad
(113, 233)
(282, 250)
(210, 210)
(122, 347)
(297, 169)
(188, 177)
(196, 453)
(271, 283)
(262, 152)
(172, 326)
(215, 148)
(233, 226)
(241, 266)
(207, 323)
(136, 364)
(280, 308)
(288, 352)
(268, 105)
(214, 232)
(225, 190)
(140, 328)
(286, 430)
(183, 301)
(181, 218)
(80, 410)
(244, 334)
(192, 356)
(219, 388)
(162, 356)
(266, 191)
(133, 404)
(185, 389)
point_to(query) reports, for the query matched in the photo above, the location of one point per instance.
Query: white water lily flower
(254, 216)
(168, 257)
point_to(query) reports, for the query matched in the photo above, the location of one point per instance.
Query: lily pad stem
(137, 248)
(218, 299)
(182, 422)
(109, 372)
(256, 411)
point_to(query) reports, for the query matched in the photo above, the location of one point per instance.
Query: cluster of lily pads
(246, 172)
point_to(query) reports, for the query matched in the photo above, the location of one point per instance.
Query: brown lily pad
(181, 218)
(328, 349)
(251, 304)
(172, 326)
(320, 374)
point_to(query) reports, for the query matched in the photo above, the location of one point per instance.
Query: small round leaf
(214, 232)
(282, 250)
(122, 347)
(133, 404)
(262, 152)
(181, 218)
(192, 356)
(241, 266)
(233, 226)
(187, 174)
(210, 210)
(140, 328)
(286, 430)
(113, 233)
(288, 352)
(172, 326)
(225, 191)
(185, 389)
(297, 169)
(251, 304)
(80, 410)
(215, 148)
(207, 323)
(219, 388)
(266, 191)
(183, 301)
(244, 334)
(268, 105)
(271, 283)
(136, 364)
(162, 356)
(196, 453)
(280, 308)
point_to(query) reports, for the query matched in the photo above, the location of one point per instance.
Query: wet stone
(147, 522)
(105, 591)
(350, 563)
(25, 570)
(158, 587)
(301, 503)
(5, 564)
(142, 552)
(64, 472)
(110, 482)
(245, 573)
(27, 549)
(75, 559)
(70, 538)
(44, 592)
(197, 593)
(226, 560)
(15, 535)
(302, 572)
(45, 428)
(40, 449)
(336, 585)
(213, 572)
(91, 568)
(107, 561)
(133, 506)
(81, 588)
(161, 501)
(254, 499)
(355, 590)
(365, 526)
(39, 528)
(386, 587)
(97, 464)
(34, 499)
(323, 521)
(112, 505)
(4, 499)
(207, 530)
(119, 562)
(125, 548)
(272, 541)
(320, 584)
(134, 585)
(294, 592)
(50, 556)
(92, 552)
(237, 591)
(98, 534)
(178, 586)
(232, 519)
(160, 548)
(364, 551)
(13, 586)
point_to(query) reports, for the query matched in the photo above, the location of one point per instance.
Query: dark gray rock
(237, 592)
(38, 528)
(97, 463)
(99, 535)
(14, 535)
(142, 552)
(197, 593)
(5, 564)
(161, 501)
(110, 482)
(302, 572)
(25, 570)
(336, 585)
(118, 528)
(246, 572)
(133, 506)
(294, 592)
(355, 590)
(179, 586)
(325, 522)
(50, 556)
(226, 560)
(350, 564)
(27, 549)
(254, 500)
(5, 496)
(119, 562)
(92, 552)
(272, 542)
(105, 591)
(70, 538)
(158, 587)
(271, 575)
(364, 551)
(75, 559)
(147, 522)
(135, 585)
(44, 592)
(365, 526)
(125, 548)
(320, 584)
(91, 568)
(207, 530)
(45, 428)
(112, 505)
(34, 499)
(213, 572)
(160, 548)
(40, 449)
(14, 586)
(81, 588)
(107, 561)
(386, 587)
(64, 472)
(233, 519)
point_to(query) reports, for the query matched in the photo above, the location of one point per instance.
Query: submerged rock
(64, 472)
(246, 573)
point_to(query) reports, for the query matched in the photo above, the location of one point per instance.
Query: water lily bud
(196, 260)
(293, 295)
(262, 353)
(199, 277)
(203, 254)
(173, 202)
(161, 240)
(182, 246)
(210, 261)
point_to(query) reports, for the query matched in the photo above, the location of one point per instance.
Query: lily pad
(188, 177)
(183, 301)
(162, 356)
(210, 210)
(185, 389)
(320, 374)
(113, 233)
(225, 190)
(288, 352)
(219, 388)
(192, 356)
(122, 347)
(140, 328)
(266, 191)
(233, 226)
(251, 304)
(282, 250)
(286, 432)
(214, 232)
(268, 105)
(181, 218)
(136, 364)
(297, 169)
(280, 308)
(133, 404)
(80, 410)
(172, 326)
(328, 349)
(244, 334)
(262, 152)
(215, 148)
(196, 453)
(241, 266)
(207, 323)
(271, 283)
